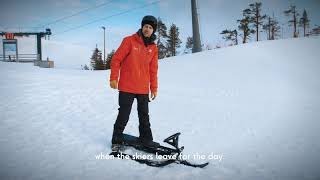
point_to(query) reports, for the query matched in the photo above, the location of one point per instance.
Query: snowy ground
(257, 105)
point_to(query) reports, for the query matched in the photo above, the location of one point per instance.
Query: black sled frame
(172, 140)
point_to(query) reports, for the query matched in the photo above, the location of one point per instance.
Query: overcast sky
(122, 18)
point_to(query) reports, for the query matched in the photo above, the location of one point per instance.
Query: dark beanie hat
(151, 20)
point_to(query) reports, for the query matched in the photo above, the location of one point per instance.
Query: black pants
(125, 103)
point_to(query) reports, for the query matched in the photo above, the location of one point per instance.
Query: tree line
(253, 21)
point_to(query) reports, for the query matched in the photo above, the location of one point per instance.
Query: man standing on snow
(137, 61)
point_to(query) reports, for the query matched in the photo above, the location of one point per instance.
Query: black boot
(117, 140)
(117, 137)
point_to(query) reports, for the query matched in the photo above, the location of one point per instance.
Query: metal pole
(4, 52)
(17, 54)
(39, 46)
(104, 44)
(195, 28)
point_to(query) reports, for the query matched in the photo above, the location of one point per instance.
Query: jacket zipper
(140, 63)
(144, 50)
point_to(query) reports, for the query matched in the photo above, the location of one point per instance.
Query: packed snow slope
(255, 106)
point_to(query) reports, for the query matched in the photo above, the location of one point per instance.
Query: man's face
(147, 30)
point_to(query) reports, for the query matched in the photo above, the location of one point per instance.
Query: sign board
(10, 50)
(9, 36)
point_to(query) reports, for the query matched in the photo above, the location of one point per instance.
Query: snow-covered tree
(292, 11)
(272, 28)
(304, 22)
(162, 39)
(96, 60)
(230, 35)
(109, 58)
(245, 25)
(256, 17)
(173, 42)
(315, 31)
(189, 45)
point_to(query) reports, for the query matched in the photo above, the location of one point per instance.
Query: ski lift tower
(10, 41)
(195, 28)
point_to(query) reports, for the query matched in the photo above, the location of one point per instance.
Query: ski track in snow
(260, 111)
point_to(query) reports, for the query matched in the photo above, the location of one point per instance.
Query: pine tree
(109, 58)
(245, 25)
(96, 60)
(173, 41)
(230, 35)
(292, 11)
(315, 31)
(275, 28)
(255, 17)
(85, 67)
(93, 58)
(272, 28)
(189, 45)
(267, 28)
(162, 38)
(304, 22)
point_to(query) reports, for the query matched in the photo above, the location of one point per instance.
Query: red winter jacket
(138, 66)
